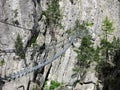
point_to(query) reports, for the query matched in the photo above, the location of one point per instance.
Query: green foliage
(96, 54)
(109, 62)
(2, 62)
(54, 84)
(69, 32)
(80, 28)
(116, 43)
(53, 13)
(33, 40)
(19, 50)
(107, 55)
(85, 53)
(109, 72)
(105, 45)
(90, 24)
(107, 25)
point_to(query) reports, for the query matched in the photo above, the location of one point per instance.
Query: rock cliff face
(26, 18)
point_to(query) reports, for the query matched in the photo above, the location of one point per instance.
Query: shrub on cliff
(19, 50)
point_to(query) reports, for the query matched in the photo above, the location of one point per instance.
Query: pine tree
(107, 28)
(19, 47)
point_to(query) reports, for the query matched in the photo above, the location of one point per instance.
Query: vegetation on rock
(107, 55)
(86, 52)
(108, 66)
(2, 62)
(52, 13)
(108, 71)
(19, 50)
(53, 85)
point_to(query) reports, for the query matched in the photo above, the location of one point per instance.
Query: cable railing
(4, 22)
(49, 47)
(48, 61)
(27, 70)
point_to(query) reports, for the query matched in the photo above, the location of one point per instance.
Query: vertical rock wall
(84, 10)
(27, 16)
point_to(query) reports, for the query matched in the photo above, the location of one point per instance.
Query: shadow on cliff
(110, 75)
(1, 84)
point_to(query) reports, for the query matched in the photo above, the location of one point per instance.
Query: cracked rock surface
(25, 17)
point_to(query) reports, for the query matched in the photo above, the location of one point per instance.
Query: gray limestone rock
(25, 17)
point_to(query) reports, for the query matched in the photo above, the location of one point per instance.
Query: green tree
(107, 28)
(108, 72)
(2, 62)
(109, 66)
(19, 50)
(53, 13)
(85, 52)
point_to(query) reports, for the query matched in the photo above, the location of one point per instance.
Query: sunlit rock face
(27, 16)
(84, 10)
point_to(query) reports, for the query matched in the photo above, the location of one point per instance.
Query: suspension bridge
(28, 70)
